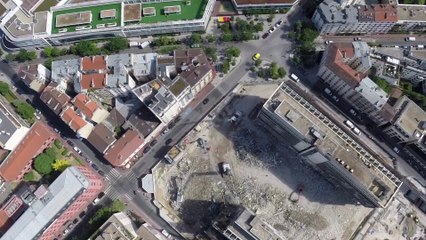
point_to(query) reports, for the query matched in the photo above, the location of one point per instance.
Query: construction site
(230, 162)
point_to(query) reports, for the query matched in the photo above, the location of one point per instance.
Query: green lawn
(188, 12)
(46, 5)
(96, 12)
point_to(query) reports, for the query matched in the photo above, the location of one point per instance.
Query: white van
(294, 77)
(349, 124)
(356, 131)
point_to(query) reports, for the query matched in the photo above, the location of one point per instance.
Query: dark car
(146, 149)
(265, 35)
(101, 173)
(177, 119)
(95, 167)
(171, 125)
(168, 141)
(205, 101)
(153, 142)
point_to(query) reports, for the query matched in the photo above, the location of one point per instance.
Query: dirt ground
(266, 174)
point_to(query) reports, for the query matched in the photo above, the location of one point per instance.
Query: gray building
(241, 5)
(328, 147)
(11, 130)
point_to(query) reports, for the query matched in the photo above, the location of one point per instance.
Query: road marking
(114, 195)
(113, 175)
(132, 176)
(129, 197)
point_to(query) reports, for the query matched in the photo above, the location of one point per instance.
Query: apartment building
(241, 5)
(328, 146)
(333, 18)
(12, 130)
(409, 125)
(56, 206)
(35, 76)
(344, 67)
(126, 147)
(25, 23)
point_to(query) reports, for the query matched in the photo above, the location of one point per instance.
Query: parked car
(153, 142)
(328, 42)
(146, 150)
(357, 39)
(395, 149)
(101, 173)
(205, 101)
(94, 166)
(349, 124)
(168, 141)
(278, 23)
(327, 91)
(356, 131)
(353, 112)
(256, 56)
(265, 35)
(77, 150)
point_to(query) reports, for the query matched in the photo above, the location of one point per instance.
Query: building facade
(328, 147)
(51, 214)
(241, 5)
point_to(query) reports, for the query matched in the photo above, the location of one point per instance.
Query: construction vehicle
(225, 168)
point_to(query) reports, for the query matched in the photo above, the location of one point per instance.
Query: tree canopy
(25, 110)
(116, 44)
(85, 48)
(43, 164)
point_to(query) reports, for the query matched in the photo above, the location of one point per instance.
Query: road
(125, 184)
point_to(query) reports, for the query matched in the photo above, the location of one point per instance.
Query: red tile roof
(85, 104)
(93, 63)
(93, 81)
(335, 61)
(73, 120)
(123, 148)
(263, 1)
(378, 13)
(36, 140)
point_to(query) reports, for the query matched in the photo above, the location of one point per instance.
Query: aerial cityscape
(213, 119)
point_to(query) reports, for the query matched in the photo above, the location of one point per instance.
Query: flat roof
(132, 12)
(335, 142)
(194, 10)
(43, 211)
(8, 125)
(410, 119)
(108, 13)
(94, 10)
(411, 13)
(263, 2)
(72, 19)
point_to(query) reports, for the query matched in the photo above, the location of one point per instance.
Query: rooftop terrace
(191, 9)
(334, 141)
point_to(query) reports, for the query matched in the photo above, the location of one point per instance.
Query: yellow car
(256, 57)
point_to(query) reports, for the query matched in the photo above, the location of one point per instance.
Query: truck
(145, 44)
(410, 39)
(133, 44)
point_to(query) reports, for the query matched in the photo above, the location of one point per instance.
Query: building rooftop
(67, 186)
(336, 58)
(114, 119)
(8, 125)
(54, 99)
(101, 137)
(92, 81)
(124, 147)
(334, 142)
(10, 209)
(31, 144)
(132, 12)
(332, 12)
(119, 226)
(85, 105)
(117, 65)
(372, 93)
(65, 70)
(144, 121)
(71, 117)
(411, 120)
(378, 13)
(93, 63)
(192, 64)
(262, 2)
(35, 76)
(411, 13)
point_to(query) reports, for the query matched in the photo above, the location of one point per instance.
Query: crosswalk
(113, 175)
(131, 176)
(113, 194)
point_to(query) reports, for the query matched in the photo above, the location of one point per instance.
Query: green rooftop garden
(190, 9)
(96, 16)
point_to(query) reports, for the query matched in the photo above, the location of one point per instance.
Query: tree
(60, 165)
(25, 55)
(10, 57)
(211, 53)
(57, 143)
(116, 44)
(43, 164)
(210, 38)
(48, 63)
(117, 206)
(270, 17)
(86, 48)
(257, 62)
(195, 38)
(1, 52)
(56, 52)
(226, 65)
(4, 88)
(281, 72)
(47, 52)
(29, 176)
(233, 52)
(227, 37)
(163, 41)
(25, 110)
